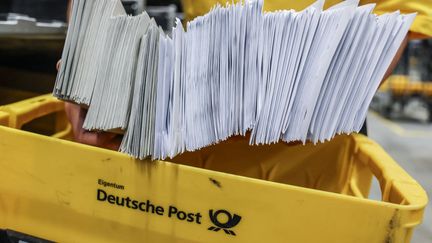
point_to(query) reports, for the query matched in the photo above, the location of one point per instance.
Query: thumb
(58, 65)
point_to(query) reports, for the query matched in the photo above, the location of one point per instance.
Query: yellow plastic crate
(4, 118)
(63, 191)
(29, 110)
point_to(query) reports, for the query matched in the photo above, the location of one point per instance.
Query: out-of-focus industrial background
(400, 120)
(32, 33)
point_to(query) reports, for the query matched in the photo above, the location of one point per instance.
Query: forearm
(395, 60)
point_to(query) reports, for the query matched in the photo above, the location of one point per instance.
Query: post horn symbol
(233, 220)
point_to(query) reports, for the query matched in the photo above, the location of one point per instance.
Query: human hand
(76, 116)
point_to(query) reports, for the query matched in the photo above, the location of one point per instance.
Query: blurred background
(32, 34)
(400, 120)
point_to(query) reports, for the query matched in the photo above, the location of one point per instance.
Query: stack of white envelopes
(281, 75)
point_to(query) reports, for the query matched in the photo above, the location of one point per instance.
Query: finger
(58, 65)
(76, 115)
(100, 139)
(114, 144)
(72, 113)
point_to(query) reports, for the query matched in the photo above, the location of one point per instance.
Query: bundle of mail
(282, 75)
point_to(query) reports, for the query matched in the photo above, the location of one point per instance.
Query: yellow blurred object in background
(401, 85)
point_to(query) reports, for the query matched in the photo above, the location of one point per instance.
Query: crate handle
(4, 118)
(397, 186)
(28, 110)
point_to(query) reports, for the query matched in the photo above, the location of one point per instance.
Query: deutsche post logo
(222, 219)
